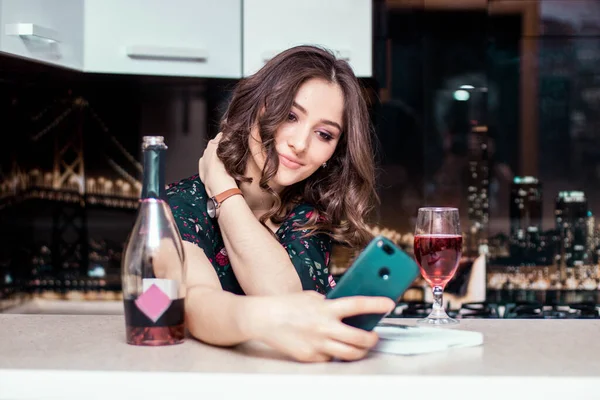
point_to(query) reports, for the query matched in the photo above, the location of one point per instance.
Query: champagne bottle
(152, 269)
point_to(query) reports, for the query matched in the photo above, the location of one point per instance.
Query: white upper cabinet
(195, 38)
(344, 26)
(49, 31)
(200, 38)
(1, 26)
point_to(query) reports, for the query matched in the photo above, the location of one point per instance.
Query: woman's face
(308, 137)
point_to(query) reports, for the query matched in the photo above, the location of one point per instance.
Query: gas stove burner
(554, 311)
(413, 309)
(478, 310)
(519, 310)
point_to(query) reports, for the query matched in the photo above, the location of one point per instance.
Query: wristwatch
(213, 204)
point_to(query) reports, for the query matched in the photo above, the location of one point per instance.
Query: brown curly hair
(344, 191)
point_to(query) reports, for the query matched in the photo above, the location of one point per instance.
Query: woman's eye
(292, 117)
(325, 135)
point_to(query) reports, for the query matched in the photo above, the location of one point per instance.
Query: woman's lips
(289, 163)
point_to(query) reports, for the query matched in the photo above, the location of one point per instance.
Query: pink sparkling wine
(152, 267)
(438, 256)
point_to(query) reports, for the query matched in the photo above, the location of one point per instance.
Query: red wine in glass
(438, 247)
(438, 256)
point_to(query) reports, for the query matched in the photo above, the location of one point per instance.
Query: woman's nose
(299, 141)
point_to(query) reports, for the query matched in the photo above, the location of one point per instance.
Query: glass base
(437, 321)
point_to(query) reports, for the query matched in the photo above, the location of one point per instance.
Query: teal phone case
(381, 269)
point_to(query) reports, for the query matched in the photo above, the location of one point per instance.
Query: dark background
(421, 57)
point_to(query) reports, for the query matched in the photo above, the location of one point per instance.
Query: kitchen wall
(42, 107)
(491, 108)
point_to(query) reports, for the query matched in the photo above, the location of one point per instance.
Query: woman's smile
(289, 162)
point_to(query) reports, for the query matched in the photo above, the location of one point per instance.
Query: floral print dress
(310, 256)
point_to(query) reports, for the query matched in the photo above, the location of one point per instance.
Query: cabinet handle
(166, 53)
(32, 31)
(340, 54)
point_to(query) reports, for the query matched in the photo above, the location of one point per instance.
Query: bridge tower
(69, 228)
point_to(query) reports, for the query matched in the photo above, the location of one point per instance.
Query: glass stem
(438, 302)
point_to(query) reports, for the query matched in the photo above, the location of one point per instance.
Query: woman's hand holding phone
(309, 328)
(381, 269)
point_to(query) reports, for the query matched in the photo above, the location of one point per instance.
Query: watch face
(211, 208)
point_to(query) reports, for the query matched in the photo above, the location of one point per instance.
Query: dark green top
(310, 255)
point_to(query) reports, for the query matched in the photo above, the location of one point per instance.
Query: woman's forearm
(261, 265)
(221, 318)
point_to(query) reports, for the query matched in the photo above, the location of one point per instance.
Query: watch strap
(221, 197)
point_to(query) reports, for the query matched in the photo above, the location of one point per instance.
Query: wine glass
(438, 247)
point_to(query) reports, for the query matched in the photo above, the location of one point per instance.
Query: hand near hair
(212, 170)
(309, 328)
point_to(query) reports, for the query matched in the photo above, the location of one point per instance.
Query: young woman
(291, 172)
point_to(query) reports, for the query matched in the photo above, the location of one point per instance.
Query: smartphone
(381, 269)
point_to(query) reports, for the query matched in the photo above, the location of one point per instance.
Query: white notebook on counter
(412, 340)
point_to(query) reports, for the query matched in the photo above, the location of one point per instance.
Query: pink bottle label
(153, 302)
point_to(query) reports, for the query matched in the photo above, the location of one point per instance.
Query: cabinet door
(49, 31)
(344, 26)
(200, 38)
(1, 28)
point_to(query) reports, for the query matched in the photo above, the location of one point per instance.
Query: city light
(461, 95)
(525, 179)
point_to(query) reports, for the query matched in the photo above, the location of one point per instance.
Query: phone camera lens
(388, 249)
(384, 273)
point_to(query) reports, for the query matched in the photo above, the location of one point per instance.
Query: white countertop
(67, 307)
(69, 353)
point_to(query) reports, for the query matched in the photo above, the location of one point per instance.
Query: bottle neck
(153, 186)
